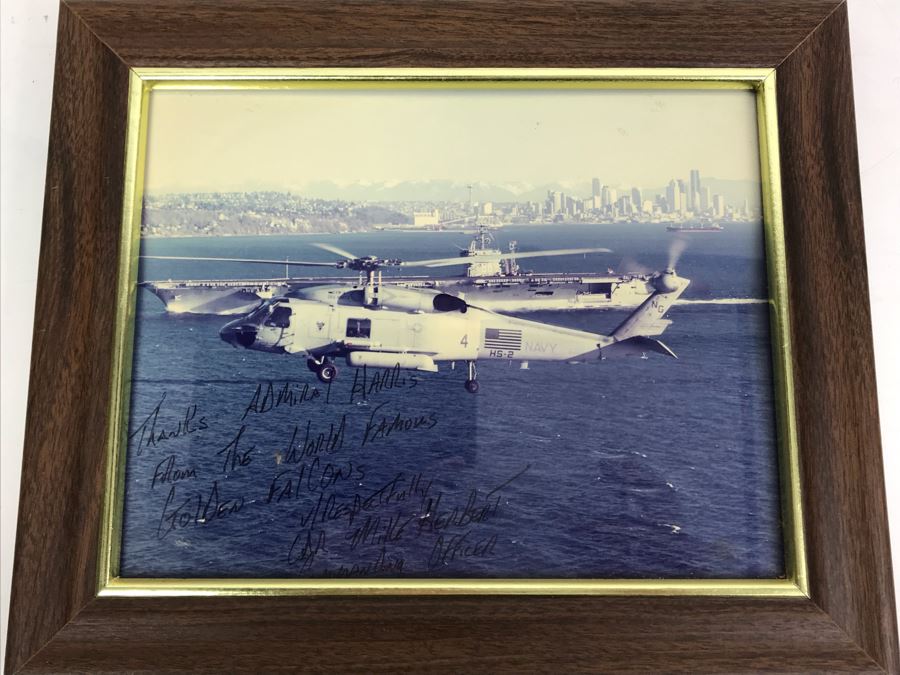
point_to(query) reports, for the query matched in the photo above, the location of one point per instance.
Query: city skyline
(457, 190)
(286, 140)
(682, 201)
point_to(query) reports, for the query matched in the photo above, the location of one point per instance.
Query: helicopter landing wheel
(327, 372)
(313, 365)
(471, 382)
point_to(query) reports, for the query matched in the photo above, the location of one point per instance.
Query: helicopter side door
(377, 331)
(318, 329)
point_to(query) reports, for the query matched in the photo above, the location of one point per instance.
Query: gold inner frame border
(145, 80)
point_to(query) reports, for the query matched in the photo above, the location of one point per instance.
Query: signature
(198, 509)
(267, 398)
(305, 547)
(364, 384)
(460, 546)
(167, 472)
(152, 432)
(387, 425)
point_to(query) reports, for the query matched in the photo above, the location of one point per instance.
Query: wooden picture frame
(59, 622)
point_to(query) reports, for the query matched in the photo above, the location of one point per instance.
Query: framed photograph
(332, 432)
(461, 336)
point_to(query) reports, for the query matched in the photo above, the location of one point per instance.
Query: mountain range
(734, 191)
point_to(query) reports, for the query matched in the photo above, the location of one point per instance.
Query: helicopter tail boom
(647, 320)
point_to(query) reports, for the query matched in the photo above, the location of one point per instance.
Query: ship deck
(527, 278)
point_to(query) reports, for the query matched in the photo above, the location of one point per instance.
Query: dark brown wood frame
(57, 621)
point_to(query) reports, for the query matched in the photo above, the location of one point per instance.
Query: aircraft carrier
(490, 283)
(515, 293)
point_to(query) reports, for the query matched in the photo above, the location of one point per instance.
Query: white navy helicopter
(383, 326)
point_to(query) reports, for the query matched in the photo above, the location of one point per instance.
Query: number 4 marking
(465, 340)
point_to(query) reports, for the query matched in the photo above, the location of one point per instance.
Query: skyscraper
(604, 196)
(673, 197)
(719, 205)
(695, 187)
(636, 198)
(595, 187)
(705, 199)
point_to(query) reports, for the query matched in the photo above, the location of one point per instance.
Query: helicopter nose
(242, 335)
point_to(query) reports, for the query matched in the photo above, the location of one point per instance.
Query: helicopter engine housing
(419, 300)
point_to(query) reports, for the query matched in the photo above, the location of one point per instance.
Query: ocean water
(241, 464)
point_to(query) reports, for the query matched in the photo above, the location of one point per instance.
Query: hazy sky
(248, 140)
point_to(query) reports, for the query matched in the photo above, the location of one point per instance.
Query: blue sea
(242, 464)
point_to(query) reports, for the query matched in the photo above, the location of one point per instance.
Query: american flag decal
(502, 338)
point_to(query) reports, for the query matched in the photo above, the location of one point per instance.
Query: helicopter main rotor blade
(441, 262)
(337, 251)
(465, 260)
(298, 263)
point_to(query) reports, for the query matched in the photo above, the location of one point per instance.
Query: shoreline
(661, 225)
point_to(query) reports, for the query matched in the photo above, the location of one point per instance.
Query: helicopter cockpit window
(258, 314)
(280, 317)
(359, 328)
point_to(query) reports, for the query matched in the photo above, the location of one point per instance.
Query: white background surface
(27, 45)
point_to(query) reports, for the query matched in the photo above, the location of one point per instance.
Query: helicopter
(385, 326)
